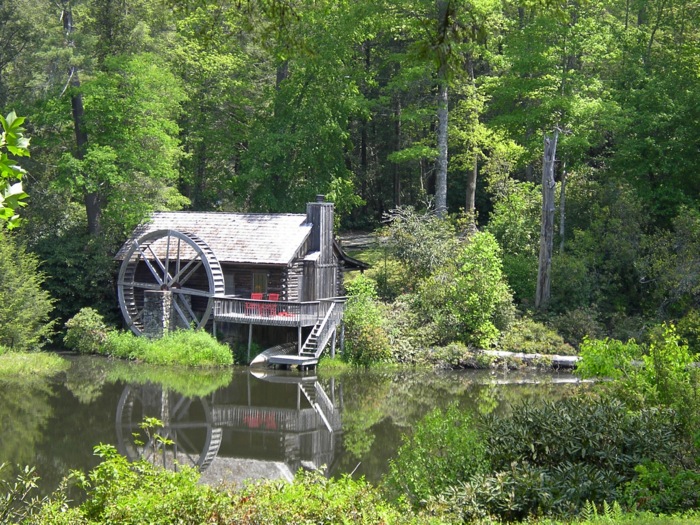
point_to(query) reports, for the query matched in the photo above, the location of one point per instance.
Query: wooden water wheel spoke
(190, 273)
(150, 267)
(182, 315)
(144, 286)
(180, 408)
(163, 267)
(165, 260)
(190, 291)
(188, 308)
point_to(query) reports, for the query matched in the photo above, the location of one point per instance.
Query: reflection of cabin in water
(280, 273)
(264, 427)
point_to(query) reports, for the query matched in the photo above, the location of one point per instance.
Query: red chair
(271, 309)
(254, 308)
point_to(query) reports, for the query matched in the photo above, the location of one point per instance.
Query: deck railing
(276, 312)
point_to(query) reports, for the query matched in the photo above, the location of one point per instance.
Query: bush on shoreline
(87, 333)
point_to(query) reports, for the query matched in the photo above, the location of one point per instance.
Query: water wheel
(174, 261)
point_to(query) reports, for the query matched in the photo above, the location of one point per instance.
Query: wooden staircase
(321, 334)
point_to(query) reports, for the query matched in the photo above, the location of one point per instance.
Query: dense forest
(439, 105)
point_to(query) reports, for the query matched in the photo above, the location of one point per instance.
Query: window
(229, 283)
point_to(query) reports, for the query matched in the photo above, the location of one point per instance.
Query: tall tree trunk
(91, 199)
(470, 203)
(542, 294)
(562, 210)
(471, 187)
(282, 73)
(441, 174)
(397, 136)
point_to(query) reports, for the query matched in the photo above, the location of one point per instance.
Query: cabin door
(260, 282)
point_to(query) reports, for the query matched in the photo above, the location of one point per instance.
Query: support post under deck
(333, 344)
(299, 344)
(250, 339)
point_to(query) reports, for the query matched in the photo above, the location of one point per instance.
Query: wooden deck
(272, 313)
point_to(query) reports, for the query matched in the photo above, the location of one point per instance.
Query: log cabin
(280, 273)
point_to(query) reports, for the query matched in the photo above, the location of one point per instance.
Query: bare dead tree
(542, 294)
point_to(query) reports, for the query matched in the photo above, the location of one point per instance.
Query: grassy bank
(27, 366)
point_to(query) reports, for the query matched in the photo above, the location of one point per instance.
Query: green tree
(299, 142)
(25, 308)
(422, 242)
(136, 97)
(469, 299)
(514, 222)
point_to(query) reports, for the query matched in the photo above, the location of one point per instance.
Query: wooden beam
(250, 339)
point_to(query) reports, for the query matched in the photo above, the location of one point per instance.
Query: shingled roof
(255, 238)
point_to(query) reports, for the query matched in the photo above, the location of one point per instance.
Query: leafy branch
(12, 144)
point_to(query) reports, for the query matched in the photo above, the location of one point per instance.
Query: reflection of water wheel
(174, 261)
(187, 424)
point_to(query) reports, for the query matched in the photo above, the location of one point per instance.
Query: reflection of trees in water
(86, 377)
(379, 406)
(25, 409)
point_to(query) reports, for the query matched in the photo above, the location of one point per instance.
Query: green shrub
(125, 345)
(86, 332)
(531, 337)
(600, 432)
(311, 498)
(188, 348)
(555, 457)
(80, 270)
(366, 341)
(444, 449)
(409, 335)
(670, 378)
(656, 489)
(117, 491)
(572, 284)
(521, 273)
(606, 358)
(689, 329)
(423, 243)
(134, 493)
(25, 308)
(17, 499)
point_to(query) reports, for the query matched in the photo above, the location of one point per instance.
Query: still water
(239, 424)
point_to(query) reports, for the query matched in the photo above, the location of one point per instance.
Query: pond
(238, 423)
